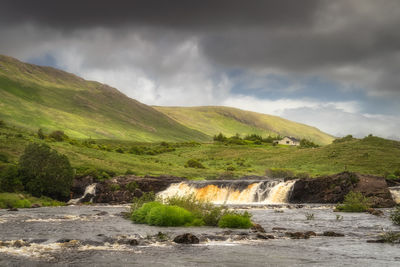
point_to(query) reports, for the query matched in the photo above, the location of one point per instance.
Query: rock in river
(186, 239)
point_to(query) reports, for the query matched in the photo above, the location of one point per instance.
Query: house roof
(292, 138)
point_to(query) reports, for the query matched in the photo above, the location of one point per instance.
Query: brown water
(91, 227)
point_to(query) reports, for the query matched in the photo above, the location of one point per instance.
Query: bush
(138, 202)
(139, 215)
(169, 216)
(58, 136)
(395, 216)
(40, 134)
(119, 150)
(132, 186)
(354, 202)
(204, 210)
(45, 172)
(115, 187)
(9, 179)
(3, 157)
(235, 221)
(192, 163)
(343, 139)
(253, 137)
(304, 143)
(2, 123)
(220, 138)
(392, 177)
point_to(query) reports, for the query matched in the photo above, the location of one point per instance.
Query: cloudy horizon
(330, 64)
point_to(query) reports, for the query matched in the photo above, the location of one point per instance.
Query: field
(371, 155)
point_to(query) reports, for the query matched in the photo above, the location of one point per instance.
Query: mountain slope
(43, 97)
(229, 121)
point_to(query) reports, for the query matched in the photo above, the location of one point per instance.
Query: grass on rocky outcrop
(354, 202)
(186, 211)
(23, 200)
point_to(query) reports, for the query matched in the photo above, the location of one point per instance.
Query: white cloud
(278, 107)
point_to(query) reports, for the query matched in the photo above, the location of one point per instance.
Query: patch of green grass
(22, 200)
(241, 221)
(166, 215)
(139, 214)
(354, 202)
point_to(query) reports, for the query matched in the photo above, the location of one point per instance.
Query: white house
(289, 141)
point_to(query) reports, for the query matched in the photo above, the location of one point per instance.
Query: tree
(40, 134)
(9, 179)
(45, 172)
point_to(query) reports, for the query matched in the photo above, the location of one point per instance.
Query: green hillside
(229, 121)
(371, 155)
(43, 97)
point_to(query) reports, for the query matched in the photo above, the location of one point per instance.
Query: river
(94, 226)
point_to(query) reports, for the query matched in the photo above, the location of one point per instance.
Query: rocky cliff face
(333, 189)
(325, 189)
(122, 189)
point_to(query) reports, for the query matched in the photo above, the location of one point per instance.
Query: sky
(330, 64)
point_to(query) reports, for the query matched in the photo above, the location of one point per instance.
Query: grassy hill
(43, 97)
(371, 155)
(229, 121)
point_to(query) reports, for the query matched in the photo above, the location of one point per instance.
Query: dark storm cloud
(186, 52)
(178, 13)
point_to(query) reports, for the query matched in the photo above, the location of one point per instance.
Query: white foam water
(266, 192)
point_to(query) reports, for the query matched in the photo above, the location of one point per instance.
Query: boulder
(333, 234)
(300, 235)
(333, 189)
(375, 212)
(186, 239)
(257, 228)
(264, 236)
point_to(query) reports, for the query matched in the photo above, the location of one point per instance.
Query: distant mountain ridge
(36, 97)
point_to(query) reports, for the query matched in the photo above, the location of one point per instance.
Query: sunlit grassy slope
(371, 155)
(229, 121)
(42, 97)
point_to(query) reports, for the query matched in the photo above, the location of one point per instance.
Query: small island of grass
(186, 211)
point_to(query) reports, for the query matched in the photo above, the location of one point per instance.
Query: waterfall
(88, 195)
(395, 191)
(233, 191)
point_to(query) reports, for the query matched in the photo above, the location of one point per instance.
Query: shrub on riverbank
(186, 211)
(165, 215)
(354, 202)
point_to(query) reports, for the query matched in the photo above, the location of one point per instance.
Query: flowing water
(395, 191)
(89, 191)
(100, 236)
(233, 192)
(85, 231)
